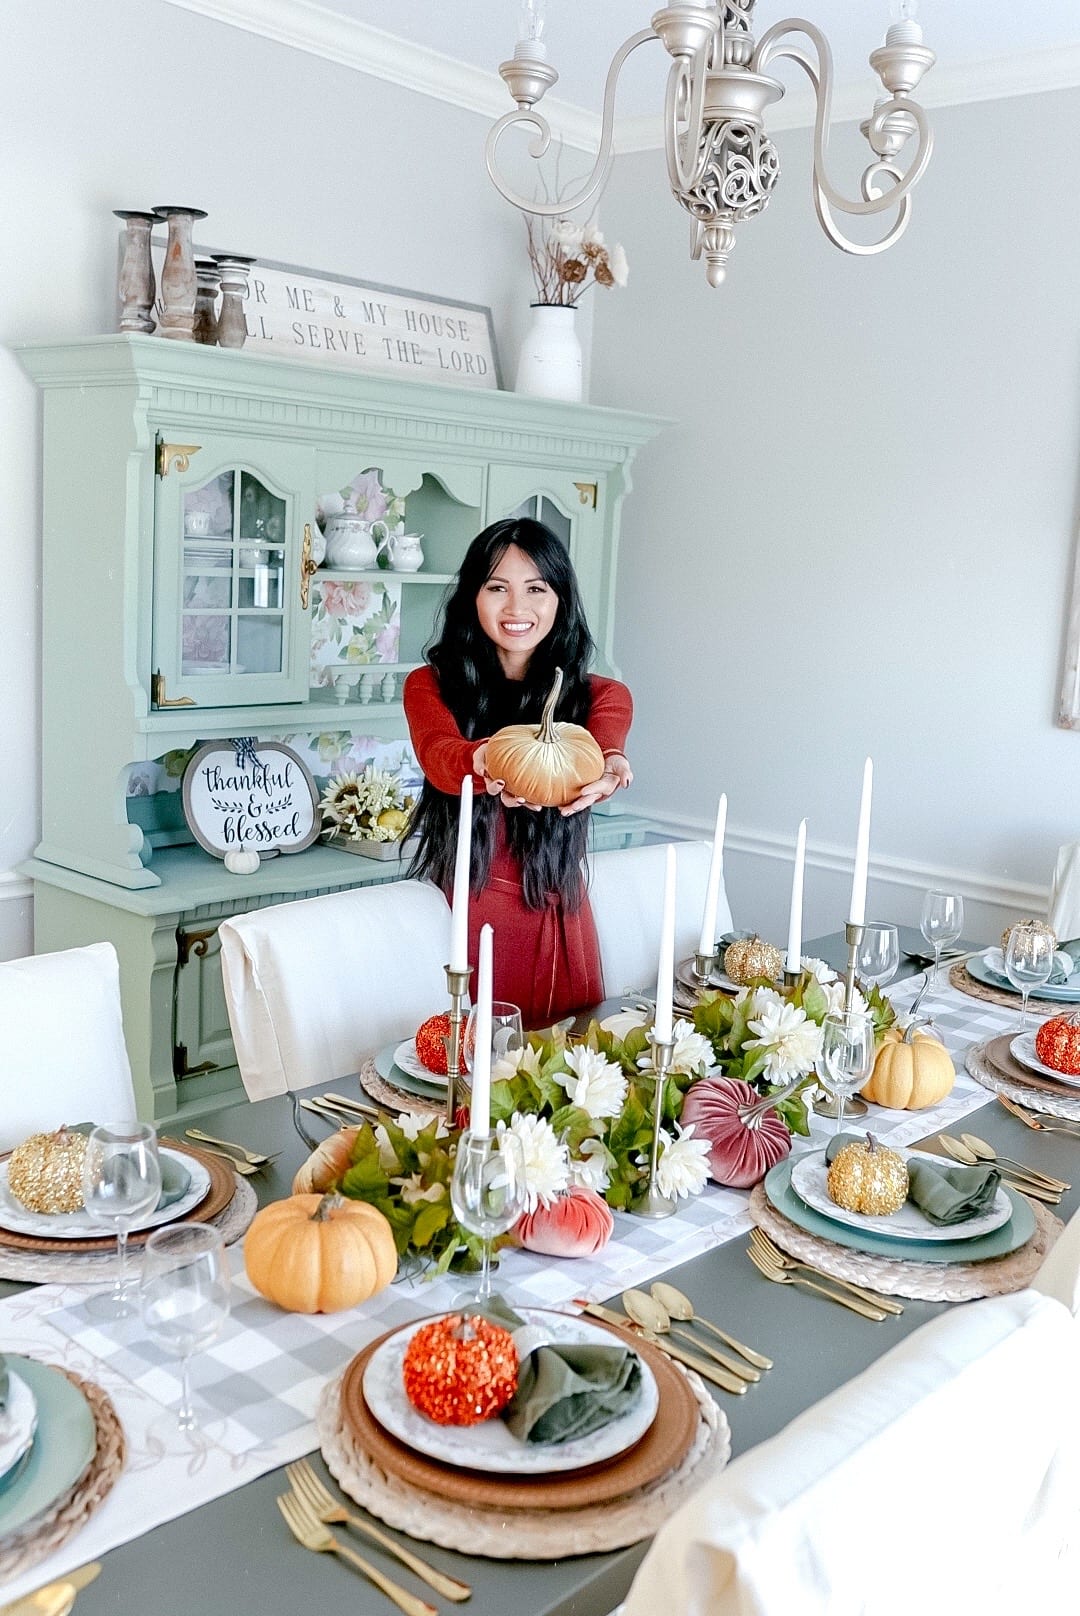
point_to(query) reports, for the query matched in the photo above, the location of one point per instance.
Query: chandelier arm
(771, 46)
(860, 249)
(539, 145)
(681, 178)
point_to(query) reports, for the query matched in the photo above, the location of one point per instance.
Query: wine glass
(121, 1182)
(507, 1038)
(941, 924)
(184, 1296)
(879, 953)
(487, 1192)
(1029, 960)
(847, 1055)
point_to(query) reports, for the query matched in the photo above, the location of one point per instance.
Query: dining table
(234, 1550)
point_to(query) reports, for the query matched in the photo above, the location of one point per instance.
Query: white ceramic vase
(550, 361)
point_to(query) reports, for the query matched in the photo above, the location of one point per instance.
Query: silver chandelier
(721, 163)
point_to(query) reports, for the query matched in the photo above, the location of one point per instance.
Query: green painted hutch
(181, 603)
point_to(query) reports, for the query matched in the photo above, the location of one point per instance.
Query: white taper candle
(794, 930)
(480, 1104)
(665, 973)
(707, 941)
(857, 915)
(459, 914)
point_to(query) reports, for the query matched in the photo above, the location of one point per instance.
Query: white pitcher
(403, 551)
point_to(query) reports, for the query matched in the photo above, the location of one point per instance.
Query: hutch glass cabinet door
(232, 546)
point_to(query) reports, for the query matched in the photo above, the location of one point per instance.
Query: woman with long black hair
(513, 616)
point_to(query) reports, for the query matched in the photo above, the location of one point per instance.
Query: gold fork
(316, 1495)
(314, 1535)
(780, 1259)
(244, 1168)
(1032, 1121)
(256, 1158)
(778, 1277)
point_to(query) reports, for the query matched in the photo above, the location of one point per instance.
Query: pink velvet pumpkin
(575, 1225)
(741, 1150)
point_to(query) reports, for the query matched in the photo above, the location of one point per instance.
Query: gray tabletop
(236, 1552)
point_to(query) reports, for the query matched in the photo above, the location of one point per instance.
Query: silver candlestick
(704, 965)
(653, 1204)
(457, 985)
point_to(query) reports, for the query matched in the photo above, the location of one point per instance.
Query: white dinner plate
(491, 1445)
(809, 1179)
(77, 1226)
(406, 1058)
(1023, 1050)
(20, 1422)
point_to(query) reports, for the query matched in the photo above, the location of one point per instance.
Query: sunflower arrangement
(366, 807)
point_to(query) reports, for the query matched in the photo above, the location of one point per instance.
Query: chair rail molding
(14, 887)
(901, 872)
(307, 26)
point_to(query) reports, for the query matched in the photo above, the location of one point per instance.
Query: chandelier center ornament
(722, 166)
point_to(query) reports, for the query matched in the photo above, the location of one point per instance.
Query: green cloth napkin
(567, 1390)
(944, 1194)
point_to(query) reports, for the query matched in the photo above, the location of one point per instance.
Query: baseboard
(896, 871)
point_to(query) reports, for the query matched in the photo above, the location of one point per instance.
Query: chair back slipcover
(312, 987)
(1059, 1275)
(626, 890)
(945, 1478)
(1063, 912)
(62, 1052)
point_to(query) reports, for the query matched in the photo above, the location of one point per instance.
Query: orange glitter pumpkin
(430, 1049)
(460, 1372)
(1057, 1044)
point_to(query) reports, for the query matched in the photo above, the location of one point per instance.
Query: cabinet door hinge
(174, 454)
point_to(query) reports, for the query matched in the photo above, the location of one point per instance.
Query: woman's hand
(617, 772)
(497, 788)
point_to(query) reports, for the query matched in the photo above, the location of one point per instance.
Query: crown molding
(303, 25)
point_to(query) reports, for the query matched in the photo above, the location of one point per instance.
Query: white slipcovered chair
(943, 1478)
(626, 890)
(312, 987)
(62, 1052)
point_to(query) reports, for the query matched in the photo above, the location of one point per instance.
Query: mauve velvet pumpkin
(740, 1153)
(576, 1225)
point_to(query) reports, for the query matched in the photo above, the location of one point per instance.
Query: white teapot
(352, 544)
(403, 551)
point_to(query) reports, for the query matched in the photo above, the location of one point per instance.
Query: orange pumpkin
(546, 764)
(326, 1163)
(319, 1253)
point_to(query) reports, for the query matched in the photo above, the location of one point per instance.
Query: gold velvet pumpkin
(749, 959)
(547, 763)
(868, 1178)
(326, 1163)
(912, 1070)
(319, 1253)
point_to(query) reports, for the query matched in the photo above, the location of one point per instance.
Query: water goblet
(184, 1296)
(879, 953)
(1029, 960)
(847, 1056)
(507, 1038)
(941, 924)
(121, 1182)
(487, 1193)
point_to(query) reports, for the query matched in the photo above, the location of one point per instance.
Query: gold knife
(708, 1371)
(53, 1598)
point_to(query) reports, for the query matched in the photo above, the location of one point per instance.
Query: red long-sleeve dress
(547, 961)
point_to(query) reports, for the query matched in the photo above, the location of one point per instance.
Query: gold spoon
(986, 1152)
(653, 1316)
(1025, 1184)
(681, 1307)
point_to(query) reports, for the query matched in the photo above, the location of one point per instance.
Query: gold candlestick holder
(653, 1204)
(827, 1105)
(457, 985)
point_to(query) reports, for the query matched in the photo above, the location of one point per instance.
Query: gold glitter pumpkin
(868, 1178)
(45, 1171)
(749, 959)
(1021, 925)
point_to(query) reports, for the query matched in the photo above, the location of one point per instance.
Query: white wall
(133, 103)
(859, 536)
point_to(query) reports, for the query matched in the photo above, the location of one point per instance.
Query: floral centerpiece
(367, 807)
(568, 258)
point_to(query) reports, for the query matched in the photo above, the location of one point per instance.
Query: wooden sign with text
(305, 314)
(250, 796)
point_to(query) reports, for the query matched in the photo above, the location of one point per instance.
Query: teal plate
(998, 1243)
(390, 1073)
(1054, 993)
(65, 1443)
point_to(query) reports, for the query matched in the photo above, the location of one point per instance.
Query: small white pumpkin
(239, 861)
